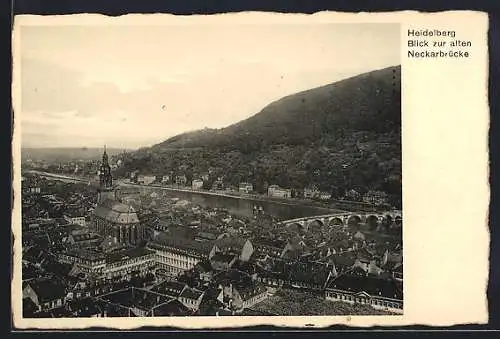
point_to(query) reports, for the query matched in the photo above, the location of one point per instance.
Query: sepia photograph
(217, 169)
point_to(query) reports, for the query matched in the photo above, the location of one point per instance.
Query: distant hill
(340, 136)
(67, 154)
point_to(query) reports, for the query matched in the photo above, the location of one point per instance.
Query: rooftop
(171, 308)
(136, 252)
(135, 297)
(116, 212)
(173, 288)
(48, 289)
(190, 293)
(276, 243)
(182, 244)
(85, 254)
(387, 288)
(223, 258)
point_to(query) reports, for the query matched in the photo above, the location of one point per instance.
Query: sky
(131, 87)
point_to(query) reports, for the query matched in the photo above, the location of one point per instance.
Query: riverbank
(337, 206)
(237, 195)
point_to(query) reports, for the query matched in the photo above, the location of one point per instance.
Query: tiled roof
(206, 235)
(276, 243)
(247, 291)
(232, 276)
(387, 288)
(190, 293)
(127, 254)
(73, 213)
(224, 258)
(342, 260)
(230, 242)
(309, 272)
(136, 297)
(48, 289)
(85, 254)
(180, 243)
(173, 288)
(84, 307)
(85, 237)
(116, 212)
(171, 308)
(29, 307)
(204, 266)
(398, 268)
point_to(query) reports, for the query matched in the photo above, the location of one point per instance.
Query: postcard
(243, 169)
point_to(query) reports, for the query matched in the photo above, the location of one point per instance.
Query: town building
(241, 248)
(45, 293)
(375, 197)
(75, 217)
(175, 254)
(353, 195)
(140, 302)
(170, 287)
(242, 295)
(124, 194)
(146, 179)
(84, 261)
(311, 192)
(218, 185)
(181, 180)
(125, 264)
(191, 298)
(245, 187)
(271, 247)
(83, 239)
(111, 217)
(278, 192)
(197, 184)
(325, 196)
(382, 294)
(222, 262)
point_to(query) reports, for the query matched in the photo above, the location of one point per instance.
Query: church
(112, 218)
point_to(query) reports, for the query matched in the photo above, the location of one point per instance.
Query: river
(242, 206)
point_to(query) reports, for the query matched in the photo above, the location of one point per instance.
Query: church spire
(105, 178)
(105, 157)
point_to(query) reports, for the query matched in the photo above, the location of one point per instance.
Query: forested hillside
(346, 135)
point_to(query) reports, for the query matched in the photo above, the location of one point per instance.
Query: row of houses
(312, 192)
(117, 265)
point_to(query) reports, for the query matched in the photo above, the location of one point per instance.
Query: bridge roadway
(59, 176)
(344, 219)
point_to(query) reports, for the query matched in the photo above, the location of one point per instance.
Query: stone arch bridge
(344, 219)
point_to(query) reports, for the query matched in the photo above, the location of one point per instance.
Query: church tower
(106, 189)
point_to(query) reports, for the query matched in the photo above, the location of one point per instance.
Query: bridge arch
(315, 225)
(335, 222)
(387, 221)
(295, 227)
(354, 220)
(372, 221)
(398, 220)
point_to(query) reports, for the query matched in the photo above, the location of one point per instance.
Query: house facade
(176, 255)
(245, 187)
(279, 192)
(197, 184)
